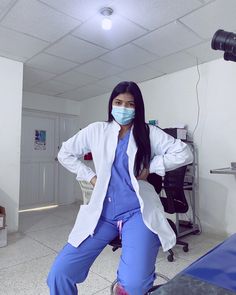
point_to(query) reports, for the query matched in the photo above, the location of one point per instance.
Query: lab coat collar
(132, 148)
(117, 126)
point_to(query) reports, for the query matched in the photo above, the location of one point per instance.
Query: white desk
(227, 170)
(213, 273)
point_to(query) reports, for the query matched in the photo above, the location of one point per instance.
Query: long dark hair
(140, 128)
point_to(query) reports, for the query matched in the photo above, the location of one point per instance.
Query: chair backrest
(156, 181)
(175, 201)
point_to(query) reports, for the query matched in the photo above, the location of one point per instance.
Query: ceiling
(67, 54)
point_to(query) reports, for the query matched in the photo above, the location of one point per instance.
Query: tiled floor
(25, 262)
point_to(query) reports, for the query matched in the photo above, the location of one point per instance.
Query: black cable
(198, 103)
(199, 222)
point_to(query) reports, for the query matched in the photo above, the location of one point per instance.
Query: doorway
(43, 180)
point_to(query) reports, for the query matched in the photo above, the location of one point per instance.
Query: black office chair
(175, 201)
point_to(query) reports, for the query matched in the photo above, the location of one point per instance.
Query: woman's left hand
(143, 175)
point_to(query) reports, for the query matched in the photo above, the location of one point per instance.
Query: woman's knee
(60, 272)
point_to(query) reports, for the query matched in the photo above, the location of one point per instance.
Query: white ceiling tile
(89, 91)
(19, 45)
(98, 69)
(32, 77)
(41, 91)
(122, 31)
(75, 78)
(168, 39)
(80, 9)
(83, 92)
(205, 1)
(204, 52)
(12, 56)
(152, 14)
(51, 63)
(109, 83)
(4, 5)
(87, 61)
(36, 19)
(207, 20)
(55, 86)
(141, 73)
(76, 50)
(173, 63)
(128, 56)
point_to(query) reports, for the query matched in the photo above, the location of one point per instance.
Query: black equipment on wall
(225, 41)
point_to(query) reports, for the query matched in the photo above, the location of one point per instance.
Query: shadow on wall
(11, 211)
(212, 206)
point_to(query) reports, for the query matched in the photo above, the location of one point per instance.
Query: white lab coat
(101, 139)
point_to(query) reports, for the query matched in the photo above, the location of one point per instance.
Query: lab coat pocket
(146, 186)
(149, 196)
(82, 215)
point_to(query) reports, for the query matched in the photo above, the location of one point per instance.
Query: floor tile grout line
(23, 262)
(58, 215)
(100, 290)
(43, 229)
(41, 243)
(101, 276)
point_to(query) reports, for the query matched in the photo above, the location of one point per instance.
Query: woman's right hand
(93, 180)
(143, 175)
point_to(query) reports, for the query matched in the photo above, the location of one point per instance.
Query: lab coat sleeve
(71, 152)
(168, 153)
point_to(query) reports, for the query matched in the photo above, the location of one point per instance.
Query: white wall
(94, 109)
(172, 98)
(49, 103)
(11, 76)
(44, 103)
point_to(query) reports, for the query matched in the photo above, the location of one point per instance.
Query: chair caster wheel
(196, 232)
(170, 258)
(185, 248)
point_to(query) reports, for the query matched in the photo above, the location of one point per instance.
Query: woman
(125, 150)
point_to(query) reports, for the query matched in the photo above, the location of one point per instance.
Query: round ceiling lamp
(106, 21)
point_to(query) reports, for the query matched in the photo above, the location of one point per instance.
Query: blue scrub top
(120, 197)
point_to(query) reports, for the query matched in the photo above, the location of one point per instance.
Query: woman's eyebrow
(117, 99)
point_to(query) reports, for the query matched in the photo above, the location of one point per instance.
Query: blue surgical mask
(123, 115)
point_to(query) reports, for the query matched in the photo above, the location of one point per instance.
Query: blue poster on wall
(40, 140)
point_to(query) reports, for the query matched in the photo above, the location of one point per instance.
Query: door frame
(56, 116)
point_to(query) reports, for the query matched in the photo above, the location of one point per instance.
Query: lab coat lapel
(132, 147)
(131, 152)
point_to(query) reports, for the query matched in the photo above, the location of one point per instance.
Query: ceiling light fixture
(106, 22)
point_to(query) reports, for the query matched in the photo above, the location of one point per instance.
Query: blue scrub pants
(136, 271)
